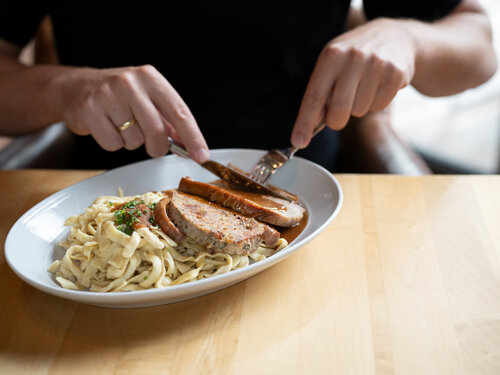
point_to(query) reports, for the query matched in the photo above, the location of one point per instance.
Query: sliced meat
(265, 208)
(217, 228)
(164, 222)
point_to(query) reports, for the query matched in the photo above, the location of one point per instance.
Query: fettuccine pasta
(101, 257)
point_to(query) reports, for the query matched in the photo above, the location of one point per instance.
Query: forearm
(29, 99)
(453, 54)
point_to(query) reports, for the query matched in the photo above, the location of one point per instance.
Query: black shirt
(241, 67)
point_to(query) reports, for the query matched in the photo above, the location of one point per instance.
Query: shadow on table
(86, 328)
(45, 327)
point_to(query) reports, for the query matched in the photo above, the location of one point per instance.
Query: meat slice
(164, 222)
(216, 228)
(266, 208)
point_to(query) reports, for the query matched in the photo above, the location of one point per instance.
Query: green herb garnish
(128, 214)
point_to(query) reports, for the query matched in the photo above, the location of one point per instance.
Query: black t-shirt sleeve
(425, 10)
(19, 20)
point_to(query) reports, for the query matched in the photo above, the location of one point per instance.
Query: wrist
(58, 90)
(401, 37)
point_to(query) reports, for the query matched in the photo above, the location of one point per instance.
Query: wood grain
(406, 280)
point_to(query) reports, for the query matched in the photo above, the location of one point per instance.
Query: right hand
(357, 72)
(97, 101)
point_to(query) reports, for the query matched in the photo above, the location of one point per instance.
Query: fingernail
(202, 155)
(299, 141)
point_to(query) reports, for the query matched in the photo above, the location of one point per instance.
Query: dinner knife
(231, 175)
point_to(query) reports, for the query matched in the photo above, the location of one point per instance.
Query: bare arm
(96, 101)
(363, 69)
(455, 53)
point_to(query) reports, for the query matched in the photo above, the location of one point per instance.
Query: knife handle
(177, 149)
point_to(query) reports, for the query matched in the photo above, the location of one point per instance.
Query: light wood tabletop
(406, 280)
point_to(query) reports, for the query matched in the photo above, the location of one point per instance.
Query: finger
(119, 113)
(133, 136)
(344, 92)
(171, 130)
(388, 88)
(132, 87)
(104, 131)
(316, 96)
(113, 102)
(178, 115)
(152, 125)
(367, 89)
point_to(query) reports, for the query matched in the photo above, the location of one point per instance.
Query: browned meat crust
(265, 208)
(165, 223)
(216, 228)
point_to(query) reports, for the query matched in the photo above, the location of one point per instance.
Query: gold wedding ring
(127, 125)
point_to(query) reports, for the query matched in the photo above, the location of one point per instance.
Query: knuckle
(394, 76)
(376, 62)
(400, 78)
(357, 55)
(157, 132)
(134, 139)
(156, 149)
(333, 51)
(181, 111)
(147, 70)
(154, 131)
(87, 103)
(102, 92)
(390, 69)
(122, 80)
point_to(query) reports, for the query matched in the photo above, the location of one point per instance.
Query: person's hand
(357, 72)
(98, 101)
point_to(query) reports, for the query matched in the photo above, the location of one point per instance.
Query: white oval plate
(31, 244)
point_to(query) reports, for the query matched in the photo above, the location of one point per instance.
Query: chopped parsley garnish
(132, 215)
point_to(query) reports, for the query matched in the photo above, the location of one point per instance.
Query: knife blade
(228, 174)
(231, 175)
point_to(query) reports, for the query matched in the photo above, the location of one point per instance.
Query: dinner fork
(275, 158)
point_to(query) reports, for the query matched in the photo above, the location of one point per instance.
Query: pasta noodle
(100, 257)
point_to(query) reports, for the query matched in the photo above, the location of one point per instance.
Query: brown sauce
(292, 233)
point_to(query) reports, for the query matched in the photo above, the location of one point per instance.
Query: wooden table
(406, 280)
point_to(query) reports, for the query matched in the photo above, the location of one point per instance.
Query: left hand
(357, 72)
